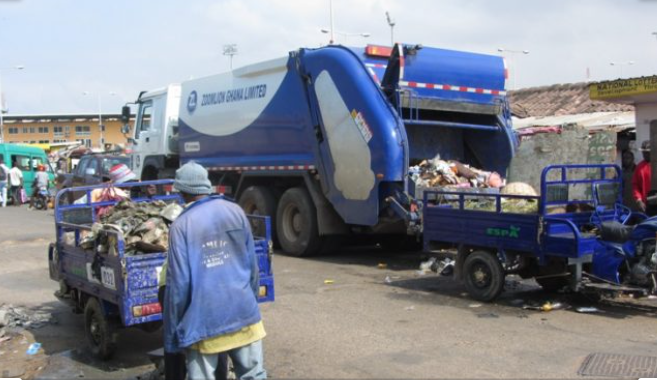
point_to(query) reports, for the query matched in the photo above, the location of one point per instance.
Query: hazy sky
(125, 46)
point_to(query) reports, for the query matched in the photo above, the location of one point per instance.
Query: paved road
(358, 326)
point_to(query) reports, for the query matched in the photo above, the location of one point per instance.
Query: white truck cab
(154, 136)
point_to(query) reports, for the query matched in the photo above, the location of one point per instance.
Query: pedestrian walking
(641, 179)
(627, 161)
(16, 183)
(210, 302)
(4, 176)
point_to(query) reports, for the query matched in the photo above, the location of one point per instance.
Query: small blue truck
(121, 289)
(577, 234)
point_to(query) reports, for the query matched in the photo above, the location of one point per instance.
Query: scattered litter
(328, 281)
(445, 267)
(419, 273)
(382, 266)
(587, 309)
(14, 316)
(388, 280)
(81, 374)
(474, 305)
(548, 306)
(33, 349)
(4, 339)
(652, 297)
(409, 308)
(487, 315)
(426, 265)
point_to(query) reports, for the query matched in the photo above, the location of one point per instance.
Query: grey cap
(192, 178)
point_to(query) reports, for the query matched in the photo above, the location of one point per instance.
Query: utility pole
(332, 40)
(391, 23)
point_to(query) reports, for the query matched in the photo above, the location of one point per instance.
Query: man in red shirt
(641, 180)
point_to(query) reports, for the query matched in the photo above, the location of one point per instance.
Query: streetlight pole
(2, 103)
(101, 140)
(331, 16)
(513, 62)
(345, 34)
(621, 64)
(391, 23)
(230, 50)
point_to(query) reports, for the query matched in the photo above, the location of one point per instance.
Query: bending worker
(210, 301)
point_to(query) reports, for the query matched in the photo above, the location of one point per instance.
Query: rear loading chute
(452, 104)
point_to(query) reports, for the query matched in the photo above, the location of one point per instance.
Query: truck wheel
(258, 200)
(101, 333)
(296, 223)
(484, 276)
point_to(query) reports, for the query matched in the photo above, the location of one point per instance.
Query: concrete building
(638, 92)
(63, 128)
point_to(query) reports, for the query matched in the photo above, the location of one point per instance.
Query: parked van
(28, 159)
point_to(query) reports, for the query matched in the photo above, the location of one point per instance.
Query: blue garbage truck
(322, 140)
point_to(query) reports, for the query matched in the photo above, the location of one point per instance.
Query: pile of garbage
(144, 225)
(452, 174)
(15, 316)
(456, 176)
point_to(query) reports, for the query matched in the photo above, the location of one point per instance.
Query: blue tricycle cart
(576, 234)
(113, 288)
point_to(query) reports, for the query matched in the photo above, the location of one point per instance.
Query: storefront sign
(623, 87)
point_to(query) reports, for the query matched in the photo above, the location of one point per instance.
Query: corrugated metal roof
(559, 99)
(592, 121)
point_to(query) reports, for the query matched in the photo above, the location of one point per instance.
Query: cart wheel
(484, 276)
(101, 333)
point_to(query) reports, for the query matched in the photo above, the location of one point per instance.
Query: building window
(32, 130)
(44, 141)
(85, 142)
(43, 129)
(83, 130)
(58, 130)
(13, 131)
(25, 129)
(59, 141)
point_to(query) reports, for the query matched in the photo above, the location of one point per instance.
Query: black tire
(484, 276)
(101, 333)
(258, 200)
(296, 223)
(40, 203)
(552, 284)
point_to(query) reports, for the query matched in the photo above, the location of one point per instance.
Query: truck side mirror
(125, 114)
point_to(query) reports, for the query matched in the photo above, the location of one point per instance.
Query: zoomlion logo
(511, 232)
(192, 100)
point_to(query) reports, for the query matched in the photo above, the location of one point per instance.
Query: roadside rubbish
(382, 266)
(409, 308)
(33, 349)
(474, 305)
(547, 306)
(387, 280)
(14, 316)
(328, 281)
(145, 227)
(425, 266)
(587, 309)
